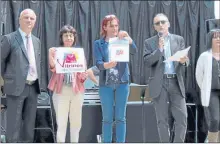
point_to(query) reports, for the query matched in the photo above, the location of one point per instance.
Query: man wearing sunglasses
(166, 84)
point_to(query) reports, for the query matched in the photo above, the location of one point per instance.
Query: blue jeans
(108, 101)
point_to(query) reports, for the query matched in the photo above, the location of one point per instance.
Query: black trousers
(21, 114)
(212, 111)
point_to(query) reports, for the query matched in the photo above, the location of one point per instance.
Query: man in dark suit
(20, 69)
(166, 85)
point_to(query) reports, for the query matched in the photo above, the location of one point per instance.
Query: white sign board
(118, 50)
(69, 60)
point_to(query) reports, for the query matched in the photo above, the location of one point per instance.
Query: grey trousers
(171, 100)
(21, 114)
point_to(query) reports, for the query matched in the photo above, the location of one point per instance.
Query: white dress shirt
(31, 57)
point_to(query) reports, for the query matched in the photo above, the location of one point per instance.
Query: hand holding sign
(124, 35)
(52, 51)
(110, 64)
(82, 76)
(183, 59)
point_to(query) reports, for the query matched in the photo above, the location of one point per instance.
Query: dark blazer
(101, 55)
(15, 64)
(154, 58)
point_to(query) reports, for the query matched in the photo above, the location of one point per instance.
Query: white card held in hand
(118, 50)
(178, 55)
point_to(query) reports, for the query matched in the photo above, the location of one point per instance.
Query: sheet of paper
(134, 84)
(178, 55)
(118, 50)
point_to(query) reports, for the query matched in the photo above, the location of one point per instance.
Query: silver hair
(161, 14)
(26, 10)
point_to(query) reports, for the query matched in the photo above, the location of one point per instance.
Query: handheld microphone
(160, 34)
(2, 29)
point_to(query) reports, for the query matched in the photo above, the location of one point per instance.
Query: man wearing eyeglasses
(166, 85)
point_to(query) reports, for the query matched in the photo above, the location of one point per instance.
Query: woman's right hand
(52, 52)
(111, 64)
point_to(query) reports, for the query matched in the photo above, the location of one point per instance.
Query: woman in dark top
(113, 80)
(208, 79)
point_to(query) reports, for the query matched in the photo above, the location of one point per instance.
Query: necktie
(30, 57)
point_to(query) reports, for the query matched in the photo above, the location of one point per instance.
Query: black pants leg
(213, 111)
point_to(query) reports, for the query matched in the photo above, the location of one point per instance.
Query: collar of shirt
(23, 35)
(166, 38)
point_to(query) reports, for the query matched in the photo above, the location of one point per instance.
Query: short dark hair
(66, 29)
(209, 38)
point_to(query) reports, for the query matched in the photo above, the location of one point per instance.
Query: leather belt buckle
(170, 76)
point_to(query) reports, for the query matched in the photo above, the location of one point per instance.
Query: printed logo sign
(69, 60)
(118, 50)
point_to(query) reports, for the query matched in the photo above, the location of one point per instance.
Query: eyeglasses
(68, 35)
(160, 22)
(110, 16)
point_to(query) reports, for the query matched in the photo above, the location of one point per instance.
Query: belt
(30, 82)
(169, 76)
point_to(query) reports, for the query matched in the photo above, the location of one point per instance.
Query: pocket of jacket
(8, 81)
(150, 78)
(8, 78)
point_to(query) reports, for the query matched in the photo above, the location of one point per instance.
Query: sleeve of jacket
(40, 51)
(199, 71)
(84, 75)
(133, 48)
(51, 61)
(182, 47)
(98, 56)
(151, 57)
(5, 51)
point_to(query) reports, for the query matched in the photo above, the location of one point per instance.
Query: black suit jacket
(154, 58)
(15, 64)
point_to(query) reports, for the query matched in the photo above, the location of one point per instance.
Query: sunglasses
(110, 16)
(160, 22)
